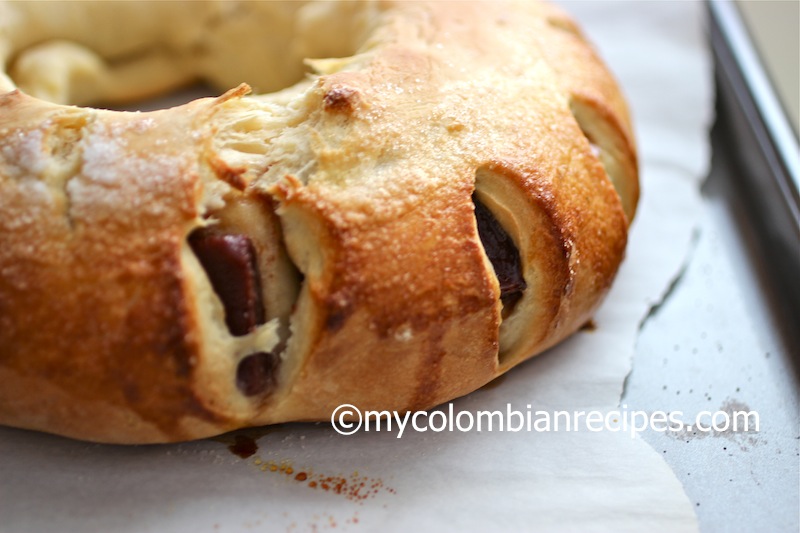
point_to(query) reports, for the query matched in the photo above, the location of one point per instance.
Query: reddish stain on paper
(355, 487)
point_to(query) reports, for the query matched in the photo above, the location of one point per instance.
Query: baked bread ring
(445, 198)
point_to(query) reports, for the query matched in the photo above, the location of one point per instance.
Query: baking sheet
(307, 477)
(727, 336)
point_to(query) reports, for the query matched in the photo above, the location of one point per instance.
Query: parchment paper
(307, 477)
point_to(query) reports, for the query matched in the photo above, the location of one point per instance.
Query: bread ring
(446, 198)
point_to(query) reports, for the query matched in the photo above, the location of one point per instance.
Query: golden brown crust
(355, 188)
(93, 304)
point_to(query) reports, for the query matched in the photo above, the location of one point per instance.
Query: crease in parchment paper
(673, 284)
(446, 481)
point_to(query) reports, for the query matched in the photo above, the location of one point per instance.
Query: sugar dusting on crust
(27, 152)
(107, 146)
(26, 159)
(103, 154)
(115, 176)
(25, 149)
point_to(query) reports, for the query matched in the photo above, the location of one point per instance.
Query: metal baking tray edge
(757, 133)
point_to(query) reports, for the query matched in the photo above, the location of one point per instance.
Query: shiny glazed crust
(355, 186)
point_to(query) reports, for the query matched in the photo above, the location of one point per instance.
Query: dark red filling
(256, 373)
(230, 262)
(503, 254)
